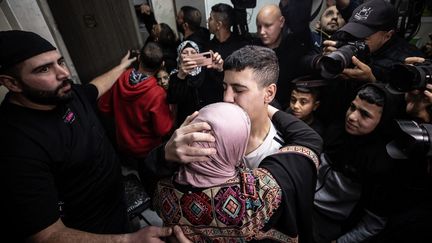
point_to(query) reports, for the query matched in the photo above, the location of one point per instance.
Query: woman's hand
(217, 62)
(186, 66)
(178, 236)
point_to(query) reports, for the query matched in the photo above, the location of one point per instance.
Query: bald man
(270, 23)
(285, 29)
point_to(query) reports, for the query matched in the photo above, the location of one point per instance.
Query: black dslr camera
(404, 78)
(334, 63)
(412, 140)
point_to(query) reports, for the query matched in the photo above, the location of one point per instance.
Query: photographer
(411, 210)
(419, 102)
(369, 50)
(374, 22)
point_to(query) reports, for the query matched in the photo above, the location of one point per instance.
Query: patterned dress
(235, 211)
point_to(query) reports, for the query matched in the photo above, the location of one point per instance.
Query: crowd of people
(284, 136)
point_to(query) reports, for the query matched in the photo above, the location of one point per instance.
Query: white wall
(4, 23)
(165, 13)
(30, 18)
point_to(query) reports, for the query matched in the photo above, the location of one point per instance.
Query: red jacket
(141, 112)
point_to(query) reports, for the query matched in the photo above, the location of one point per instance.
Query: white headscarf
(180, 48)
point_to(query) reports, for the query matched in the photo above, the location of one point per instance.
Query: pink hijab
(230, 127)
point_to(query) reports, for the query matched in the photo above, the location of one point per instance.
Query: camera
(334, 63)
(404, 78)
(412, 140)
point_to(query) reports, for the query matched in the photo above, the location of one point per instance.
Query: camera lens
(331, 66)
(334, 63)
(405, 78)
(402, 78)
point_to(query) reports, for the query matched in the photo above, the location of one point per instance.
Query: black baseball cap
(370, 17)
(17, 46)
(309, 82)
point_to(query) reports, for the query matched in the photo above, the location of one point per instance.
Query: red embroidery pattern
(303, 151)
(243, 216)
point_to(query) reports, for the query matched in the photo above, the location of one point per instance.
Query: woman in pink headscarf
(221, 200)
(231, 128)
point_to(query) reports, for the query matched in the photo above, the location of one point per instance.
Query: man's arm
(297, 16)
(105, 81)
(59, 233)
(346, 7)
(146, 14)
(361, 71)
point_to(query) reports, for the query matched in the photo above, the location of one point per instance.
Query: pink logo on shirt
(69, 116)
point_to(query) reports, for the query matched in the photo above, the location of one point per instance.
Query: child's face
(302, 104)
(163, 79)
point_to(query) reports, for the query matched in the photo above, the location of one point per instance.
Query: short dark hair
(151, 56)
(14, 71)
(261, 60)
(191, 16)
(224, 13)
(167, 36)
(372, 95)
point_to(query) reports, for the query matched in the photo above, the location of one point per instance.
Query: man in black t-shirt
(219, 22)
(285, 29)
(59, 173)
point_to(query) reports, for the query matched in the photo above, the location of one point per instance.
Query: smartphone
(134, 53)
(202, 59)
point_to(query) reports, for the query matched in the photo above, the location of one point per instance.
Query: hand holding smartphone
(134, 53)
(202, 59)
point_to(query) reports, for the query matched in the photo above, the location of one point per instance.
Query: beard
(180, 28)
(52, 97)
(330, 30)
